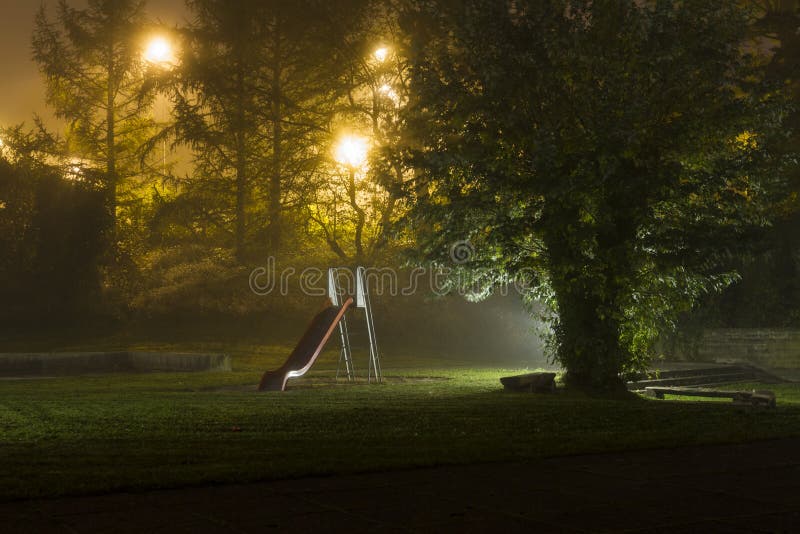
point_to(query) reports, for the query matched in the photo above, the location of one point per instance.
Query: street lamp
(351, 151)
(159, 52)
(387, 91)
(381, 54)
(74, 170)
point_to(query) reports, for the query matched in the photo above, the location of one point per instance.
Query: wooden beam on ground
(755, 398)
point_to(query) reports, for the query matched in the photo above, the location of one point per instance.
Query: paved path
(751, 487)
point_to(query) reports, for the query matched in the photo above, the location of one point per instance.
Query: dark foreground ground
(750, 487)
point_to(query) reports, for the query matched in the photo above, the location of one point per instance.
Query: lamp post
(160, 54)
(380, 54)
(351, 153)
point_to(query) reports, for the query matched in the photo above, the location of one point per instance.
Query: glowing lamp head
(74, 170)
(351, 151)
(381, 54)
(159, 52)
(387, 91)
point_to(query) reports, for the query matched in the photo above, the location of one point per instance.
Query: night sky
(21, 87)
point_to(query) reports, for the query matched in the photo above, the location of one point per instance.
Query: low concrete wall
(173, 361)
(78, 363)
(766, 347)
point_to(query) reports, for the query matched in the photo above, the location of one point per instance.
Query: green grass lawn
(102, 433)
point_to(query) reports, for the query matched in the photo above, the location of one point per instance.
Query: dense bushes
(51, 242)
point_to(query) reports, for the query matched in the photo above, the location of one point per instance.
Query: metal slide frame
(336, 295)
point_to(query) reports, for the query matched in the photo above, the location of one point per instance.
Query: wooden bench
(754, 398)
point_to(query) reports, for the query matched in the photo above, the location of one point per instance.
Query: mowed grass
(133, 432)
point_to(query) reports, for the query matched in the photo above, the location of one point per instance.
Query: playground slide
(307, 350)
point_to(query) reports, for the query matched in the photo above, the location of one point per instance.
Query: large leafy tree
(91, 60)
(615, 151)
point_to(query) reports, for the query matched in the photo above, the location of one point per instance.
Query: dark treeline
(634, 160)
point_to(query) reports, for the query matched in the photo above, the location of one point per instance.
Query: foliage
(190, 281)
(613, 151)
(769, 290)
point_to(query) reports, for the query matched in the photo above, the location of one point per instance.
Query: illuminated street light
(390, 93)
(351, 151)
(75, 170)
(159, 52)
(381, 54)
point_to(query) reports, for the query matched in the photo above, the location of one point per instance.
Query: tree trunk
(111, 156)
(360, 218)
(241, 181)
(382, 239)
(241, 173)
(274, 208)
(588, 297)
(589, 340)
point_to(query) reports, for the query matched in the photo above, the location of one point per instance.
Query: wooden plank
(741, 397)
(696, 392)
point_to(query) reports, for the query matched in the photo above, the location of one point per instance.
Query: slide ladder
(336, 294)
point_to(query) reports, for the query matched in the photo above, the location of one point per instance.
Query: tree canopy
(614, 150)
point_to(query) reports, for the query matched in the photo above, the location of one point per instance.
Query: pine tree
(91, 60)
